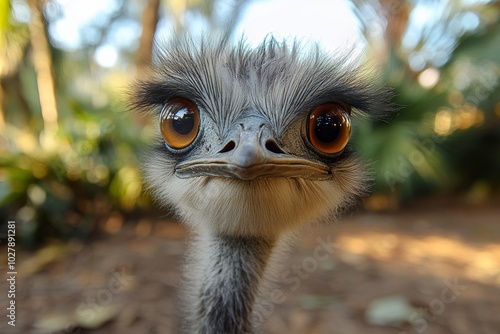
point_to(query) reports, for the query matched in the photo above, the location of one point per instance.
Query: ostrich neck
(231, 270)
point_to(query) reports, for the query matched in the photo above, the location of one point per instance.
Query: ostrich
(253, 145)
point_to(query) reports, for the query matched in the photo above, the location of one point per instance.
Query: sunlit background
(70, 151)
(65, 65)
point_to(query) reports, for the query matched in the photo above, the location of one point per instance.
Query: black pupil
(327, 128)
(183, 121)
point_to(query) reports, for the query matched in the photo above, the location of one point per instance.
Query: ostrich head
(253, 144)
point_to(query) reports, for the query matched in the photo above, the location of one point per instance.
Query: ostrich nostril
(229, 147)
(272, 146)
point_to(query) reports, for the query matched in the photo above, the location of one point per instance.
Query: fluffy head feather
(278, 83)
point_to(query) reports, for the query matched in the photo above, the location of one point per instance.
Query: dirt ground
(420, 270)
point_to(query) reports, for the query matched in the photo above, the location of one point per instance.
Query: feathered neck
(227, 273)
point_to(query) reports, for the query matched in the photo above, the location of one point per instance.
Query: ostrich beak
(251, 153)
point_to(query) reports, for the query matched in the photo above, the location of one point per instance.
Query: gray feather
(239, 222)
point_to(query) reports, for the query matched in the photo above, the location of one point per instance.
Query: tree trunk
(149, 21)
(42, 61)
(397, 14)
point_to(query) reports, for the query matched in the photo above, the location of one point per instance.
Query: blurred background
(70, 165)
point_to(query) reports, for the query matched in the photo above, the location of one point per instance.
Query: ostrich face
(254, 142)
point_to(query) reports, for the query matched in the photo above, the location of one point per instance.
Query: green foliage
(64, 184)
(13, 40)
(445, 128)
(66, 190)
(445, 136)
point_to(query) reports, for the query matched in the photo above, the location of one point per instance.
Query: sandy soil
(439, 268)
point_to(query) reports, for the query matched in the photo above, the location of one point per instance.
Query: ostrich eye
(329, 128)
(179, 123)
